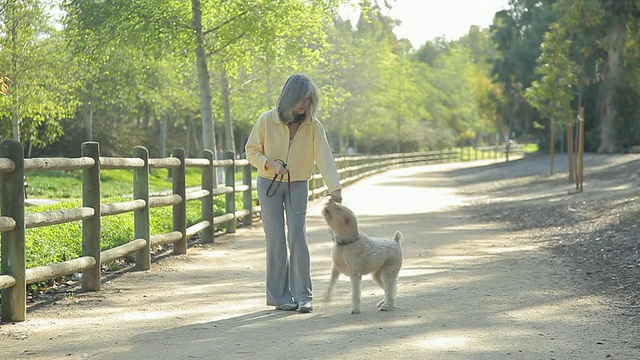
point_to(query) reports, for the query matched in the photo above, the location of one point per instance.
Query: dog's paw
(379, 303)
(385, 307)
(355, 311)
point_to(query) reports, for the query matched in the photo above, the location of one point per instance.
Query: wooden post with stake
(180, 210)
(208, 183)
(91, 227)
(580, 172)
(141, 216)
(14, 298)
(230, 198)
(571, 146)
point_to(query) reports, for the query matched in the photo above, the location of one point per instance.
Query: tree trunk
(206, 109)
(196, 142)
(613, 65)
(15, 122)
(188, 139)
(146, 117)
(88, 121)
(267, 95)
(229, 143)
(343, 143)
(399, 136)
(570, 150)
(15, 113)
(552, 146)
(163, 135)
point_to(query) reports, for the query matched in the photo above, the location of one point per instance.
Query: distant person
(284, 145)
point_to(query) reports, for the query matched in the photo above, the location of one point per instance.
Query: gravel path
(480, 281)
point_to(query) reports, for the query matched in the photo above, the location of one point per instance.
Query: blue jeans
(288, 267)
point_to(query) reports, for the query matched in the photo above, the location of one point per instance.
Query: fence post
(141, 216)
(14, 298)
(506, 152)
(230, 198)
(180, 210)
(247, 198)
(91, 227)
(208, 183)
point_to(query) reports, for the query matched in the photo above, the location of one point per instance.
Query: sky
(424, 20)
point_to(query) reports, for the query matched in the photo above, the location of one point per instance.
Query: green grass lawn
(68, 184)
(530, 147)
(52, 244)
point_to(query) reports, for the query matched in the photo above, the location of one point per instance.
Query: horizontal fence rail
(15, 276)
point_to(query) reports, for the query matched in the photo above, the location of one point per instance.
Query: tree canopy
(192, 74)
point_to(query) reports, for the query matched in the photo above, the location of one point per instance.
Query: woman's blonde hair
(297, 88)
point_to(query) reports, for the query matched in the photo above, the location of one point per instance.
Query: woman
(284, 145)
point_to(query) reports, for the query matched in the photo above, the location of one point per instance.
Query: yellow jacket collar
(275, 117)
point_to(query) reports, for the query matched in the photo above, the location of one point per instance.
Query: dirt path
(468, 290)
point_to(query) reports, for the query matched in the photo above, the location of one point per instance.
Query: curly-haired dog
(356, 254)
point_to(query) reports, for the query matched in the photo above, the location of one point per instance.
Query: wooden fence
(14, 274)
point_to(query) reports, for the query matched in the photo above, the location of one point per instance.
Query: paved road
(468, 290)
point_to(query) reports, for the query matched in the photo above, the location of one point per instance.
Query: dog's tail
(398, 237)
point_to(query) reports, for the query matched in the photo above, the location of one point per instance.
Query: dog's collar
(345, 241)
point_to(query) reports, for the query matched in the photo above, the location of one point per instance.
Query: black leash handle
(275, 178)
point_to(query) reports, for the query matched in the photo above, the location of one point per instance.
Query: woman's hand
(336, 195)
(276, 166)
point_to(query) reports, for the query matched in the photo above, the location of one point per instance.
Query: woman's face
(302, 107)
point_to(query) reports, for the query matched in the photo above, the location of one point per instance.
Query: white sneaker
(305, 307)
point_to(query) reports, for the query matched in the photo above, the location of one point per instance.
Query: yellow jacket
(269, 139)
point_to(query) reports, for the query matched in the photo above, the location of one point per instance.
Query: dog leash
(277, 182)
(275, 178)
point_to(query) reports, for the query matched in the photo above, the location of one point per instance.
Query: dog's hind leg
(377, 278)
(356, 278)
(390, 281)
(335, 273)
(389, 301)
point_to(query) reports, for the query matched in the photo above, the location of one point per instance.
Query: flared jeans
(288, 265)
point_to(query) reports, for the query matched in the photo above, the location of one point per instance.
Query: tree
(617, 16)
(577, 19)
(553, 93)
(488, 93)
(34, 59)
(518, 33)
(204, 29)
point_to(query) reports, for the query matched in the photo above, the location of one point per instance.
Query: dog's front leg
(356, 277)
(335, 273)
